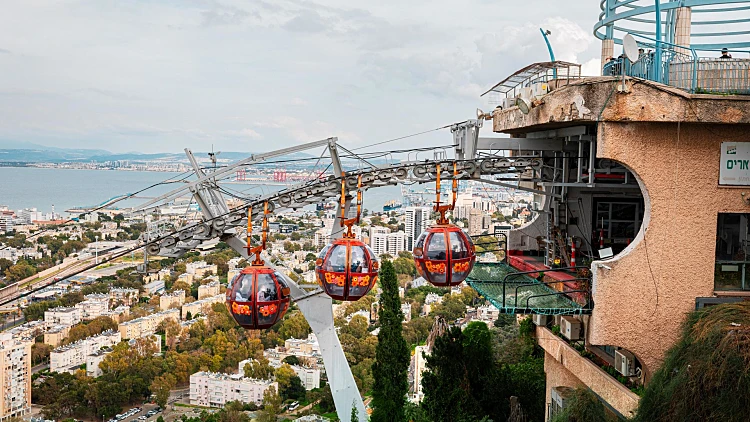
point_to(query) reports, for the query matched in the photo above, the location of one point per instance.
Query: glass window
(458, 248)
(420, 241)
(436, 247)
(337, 259)
(244, 288)
(371, 253)
(358, 262)
(266, 288)
(732, 252)
(322, 254)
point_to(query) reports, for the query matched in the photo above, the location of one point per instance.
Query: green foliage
(19, 271)
(582, 406)
(94, 327)
(391, 354)
(706, 375)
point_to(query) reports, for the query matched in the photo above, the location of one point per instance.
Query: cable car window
(337, 259)
(436, 247)
(458, 248)
(244, 290)
(281, 278)
(372, 253)
(357, 261)
(266, 288)
(420, 241)
(322, 253)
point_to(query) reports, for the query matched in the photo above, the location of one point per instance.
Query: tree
(271, 406)
(391, 354)
(19, 271)
(161, 386)
(258, 369)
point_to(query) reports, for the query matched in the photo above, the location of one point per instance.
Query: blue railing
(683, 68)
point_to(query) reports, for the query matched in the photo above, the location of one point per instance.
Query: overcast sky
(160, 75)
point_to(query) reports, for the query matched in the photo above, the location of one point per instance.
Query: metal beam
(515, 144)
(508, 185)
(227, 170)
(558, 133)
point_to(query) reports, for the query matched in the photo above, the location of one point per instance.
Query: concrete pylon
(682, 30)
(608, 51)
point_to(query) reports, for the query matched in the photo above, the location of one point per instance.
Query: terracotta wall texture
(641, 301)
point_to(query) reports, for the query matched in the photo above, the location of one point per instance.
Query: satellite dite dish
(630, 48)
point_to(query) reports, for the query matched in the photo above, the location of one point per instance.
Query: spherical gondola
(347, 268)
(258, 296)
(444, 255)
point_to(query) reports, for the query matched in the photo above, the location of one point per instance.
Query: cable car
(444, 255)
(347, 269)
(258, 297)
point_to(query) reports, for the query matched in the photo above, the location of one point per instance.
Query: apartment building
(171, 300)
(379, 241)
(310, 377)
(417, 366)
(201, 306)
(124, 296)
(119, 314)
(415, 222)
(154, 287)
(476, 219)
(215, 390)
(208, 290)
(15, 376)
(63, 316)
(145, 326)
(56, 334)
(94, 359)
(396, 243)
(200, 269)
(70, 357)
(93, 306)
(29, 330)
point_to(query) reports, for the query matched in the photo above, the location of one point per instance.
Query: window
(732, 252)
(620, 219)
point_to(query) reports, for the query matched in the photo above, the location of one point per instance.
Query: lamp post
(549, 48)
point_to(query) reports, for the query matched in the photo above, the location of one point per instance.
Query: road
(38, 368)
(107, 271)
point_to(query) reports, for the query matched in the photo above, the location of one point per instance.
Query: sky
(160, 75)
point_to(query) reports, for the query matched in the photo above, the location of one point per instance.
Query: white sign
(734, 168)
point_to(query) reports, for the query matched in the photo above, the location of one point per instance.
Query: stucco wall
(641, 301)
(565, 366)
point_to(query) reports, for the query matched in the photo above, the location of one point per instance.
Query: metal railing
(586, 291)
(683, 68)
(501, 244)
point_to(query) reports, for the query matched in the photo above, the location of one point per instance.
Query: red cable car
(258, 296)
(444, 255)
(347, 269)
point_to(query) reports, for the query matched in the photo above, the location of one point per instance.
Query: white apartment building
(15, 376)
(396, 243)
(63, 316)
(69, 357)
(310, 377)
(145, 326)
(208, 290)
(29, 330)
(170, 300)
(379, 243)
(215, 390)
(94, 359)
(119, 313)
(322, 237)
(55, 335)
(475, 222)
(200, 306)
(488, 314)
(95, 305)
(6, 223)
(406, 310)
(415, 223)
(153, 287)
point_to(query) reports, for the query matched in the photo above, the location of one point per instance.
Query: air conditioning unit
(540, 320)
(509, 102)
(538, 90)
(559, 399)
(625, 363)
(570, 328)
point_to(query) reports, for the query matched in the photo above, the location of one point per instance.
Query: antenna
(213, 155)
(630, 48)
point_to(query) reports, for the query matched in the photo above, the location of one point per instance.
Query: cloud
(225, 15)
(4, 51)
(297, 101)
(244, 133)
(306, 131)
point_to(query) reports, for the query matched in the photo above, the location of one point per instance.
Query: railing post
(694, 84)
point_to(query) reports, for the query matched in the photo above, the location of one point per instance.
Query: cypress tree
(391, 366)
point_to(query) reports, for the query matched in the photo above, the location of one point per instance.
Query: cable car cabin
(347, 269)
(444, 255)
(258, 297)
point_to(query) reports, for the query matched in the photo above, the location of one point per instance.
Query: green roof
(520, 294)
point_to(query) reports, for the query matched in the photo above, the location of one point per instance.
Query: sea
(43, 188)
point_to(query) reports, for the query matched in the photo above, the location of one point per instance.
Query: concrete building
(55, 335)
(29, 330)
(417, 366)
(63, 316)
(208, 290)
(145, 326)
(322, 237)
(94, 359)
(476, 217)
(415, 222)
(70, 357)
(200, 306)
(119, 314)
(379, 243)
(215, 390)
(15, 376)
(172, 300)
(655, 188)
(154, 287)
(200, 269)
(406, 310)
(95, 305)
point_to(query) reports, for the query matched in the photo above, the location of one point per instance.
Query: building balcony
(559, 354)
